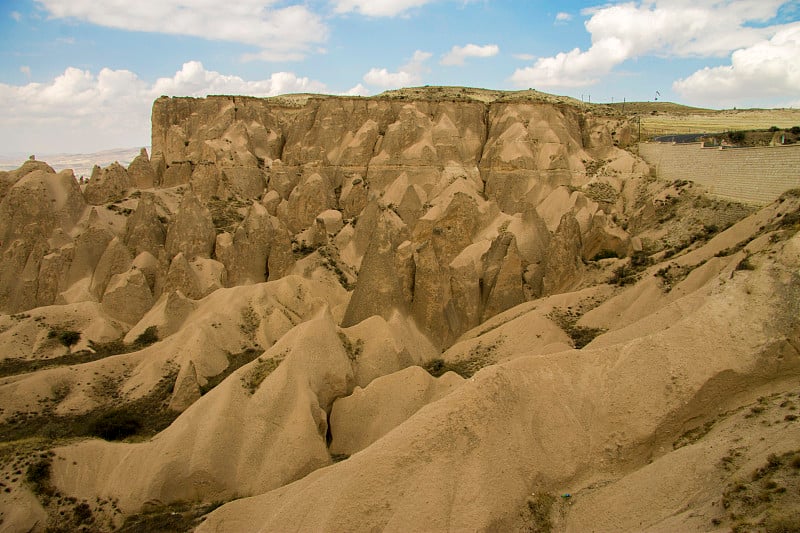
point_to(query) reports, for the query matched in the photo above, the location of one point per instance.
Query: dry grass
(706, 121)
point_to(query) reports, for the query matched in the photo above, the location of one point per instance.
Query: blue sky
(81, 75)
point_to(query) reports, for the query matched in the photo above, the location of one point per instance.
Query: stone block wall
(751, 175)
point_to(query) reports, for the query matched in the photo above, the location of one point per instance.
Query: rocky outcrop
(192, 232)
(141, 172)
(108, 184)
(128, 297)
(245, 253)
(144, 230)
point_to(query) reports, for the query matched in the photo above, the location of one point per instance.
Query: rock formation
(482, 297)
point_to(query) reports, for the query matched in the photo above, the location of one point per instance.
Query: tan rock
(563, 266)
(192, 231)
(311, 197)
(144, 231)
(245, 254)
(182, 277)
(368, 414)
(109, 184)
(378, 291)
(177, 173)
(127, 297)
(115, 260)
(141, 172)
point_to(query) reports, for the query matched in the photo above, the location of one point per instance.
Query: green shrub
(605, 254)
(115, 425)
(38, 476)
(147, 337)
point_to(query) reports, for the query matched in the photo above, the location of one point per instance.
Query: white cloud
(458, 54)
(683, 28)
(280, 33)
(358, 90)
(79, 111)
(563, 17)
(16, 15)
(525, 57)
(25, 69)
(377, 8)
(408, 74)
(194, 80)
(769, 68)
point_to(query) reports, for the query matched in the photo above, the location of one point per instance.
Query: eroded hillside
(482, 297)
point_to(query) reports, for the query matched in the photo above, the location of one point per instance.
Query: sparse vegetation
(478, 357)
(353, 349)
(68, 338)
(540, 506)
(567, 321)
(178, 517)
(38, 475)
(265, 366)
(745, 264)
(235, 362)
(769, 500)
(150, 412)
(147, 337)
(226, 213)
(601, 192)
(605, 254)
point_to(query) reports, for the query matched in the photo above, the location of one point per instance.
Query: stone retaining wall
(751, 175)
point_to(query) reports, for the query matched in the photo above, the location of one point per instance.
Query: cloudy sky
(81, 75)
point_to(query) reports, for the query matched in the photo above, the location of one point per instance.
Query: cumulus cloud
(358, 90)
(458, 54)
(408, 74)
(563, 17)
(682, 28)
(377, 8)
(194, 80)
(767, 68)
(280, 33)
(25, 69)
(80, 111)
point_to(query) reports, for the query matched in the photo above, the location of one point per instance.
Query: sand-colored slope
(245, 436)
(469, 460)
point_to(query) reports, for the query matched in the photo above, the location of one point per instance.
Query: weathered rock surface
(108, 184)
(192, 232)
(305, 266)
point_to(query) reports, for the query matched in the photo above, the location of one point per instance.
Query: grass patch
(143, 417)
(479, 356)
(628, 272)
(235, 362)
(540, 506)
(178, 517)
(265, 366)
(225, 214)
(769, 500)
(38, 475)
(567, 321)
(353, 349)
(14, 366)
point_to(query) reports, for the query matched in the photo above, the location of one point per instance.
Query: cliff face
(444, 209)
(291, 281)
(443, 182)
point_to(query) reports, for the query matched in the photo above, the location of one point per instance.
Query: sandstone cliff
(435, 309)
